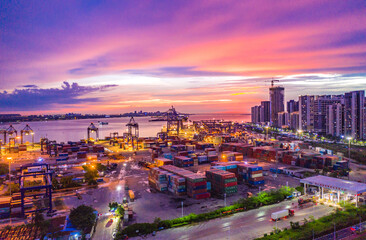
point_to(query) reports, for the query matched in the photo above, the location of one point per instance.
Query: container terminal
(188, 167)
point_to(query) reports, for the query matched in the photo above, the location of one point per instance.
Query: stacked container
(252, 174)
(196, 184)
(176, 184)
(181, 161)
(222, 182)
(202, 159)
(168, 156)
(158, 179)
(178, 148)
(227, 166)
(163, 161)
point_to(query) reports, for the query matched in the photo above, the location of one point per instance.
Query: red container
(202, 195)
(231, 184)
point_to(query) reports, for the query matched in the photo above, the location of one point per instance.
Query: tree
(67, 182)
(100, 167)
(38, 219)
(4, 168)
(55, 183)
(90, 176)
(113, 205)
(120, 211)
(14, 188)
(82, 217)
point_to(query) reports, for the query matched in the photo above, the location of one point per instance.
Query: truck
(303, 203)
(132, 195)
(34, 169)
(282, 214)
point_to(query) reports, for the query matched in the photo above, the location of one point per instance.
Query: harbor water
(74, 130)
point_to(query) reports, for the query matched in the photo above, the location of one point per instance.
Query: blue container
(256, 183)
(62, 159)
(208, 185)
(200, 187)
(231, 166)
(254, 168)
(219, 167)
(168, 156)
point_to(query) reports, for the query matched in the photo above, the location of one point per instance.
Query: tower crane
(272, 81)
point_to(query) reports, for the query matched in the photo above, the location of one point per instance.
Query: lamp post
(225, 199)
(349, 147)
(266, 127)
(32, 133)
(9, 158)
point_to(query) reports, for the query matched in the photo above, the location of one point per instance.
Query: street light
(300, 131)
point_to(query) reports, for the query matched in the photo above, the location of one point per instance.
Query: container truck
(304, 203)
(282, 214)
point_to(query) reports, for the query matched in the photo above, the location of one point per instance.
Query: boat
(157, 120)
(102, 123)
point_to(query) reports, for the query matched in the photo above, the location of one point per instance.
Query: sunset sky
(200, 56)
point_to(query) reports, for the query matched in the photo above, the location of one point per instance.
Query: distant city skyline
(200, 56)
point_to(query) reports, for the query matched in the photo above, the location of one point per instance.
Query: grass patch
(322, 226)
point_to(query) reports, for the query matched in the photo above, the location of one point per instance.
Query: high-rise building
(354, 114)
(265, 112)
(256, 114)
(277, 98)
(364, 120)
(294, 120)
(283, 119)
(320, 110)
(335, 119)
(306, 113)
(292, 106)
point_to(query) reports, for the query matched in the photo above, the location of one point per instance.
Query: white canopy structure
(335, 184)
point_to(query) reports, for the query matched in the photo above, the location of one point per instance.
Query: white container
(279, 214)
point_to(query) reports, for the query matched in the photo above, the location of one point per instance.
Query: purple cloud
(39, 99)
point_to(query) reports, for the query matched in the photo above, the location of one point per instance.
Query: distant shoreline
(35, 119)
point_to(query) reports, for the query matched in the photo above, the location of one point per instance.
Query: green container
(229, 180)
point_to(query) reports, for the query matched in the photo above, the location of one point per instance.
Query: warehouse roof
(336, 184)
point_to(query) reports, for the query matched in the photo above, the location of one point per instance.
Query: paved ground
(246, 225)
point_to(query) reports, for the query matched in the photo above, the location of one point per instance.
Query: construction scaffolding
(41, 177)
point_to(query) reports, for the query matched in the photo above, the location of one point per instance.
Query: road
(114, 192)
(100, 198)
(245, 225)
